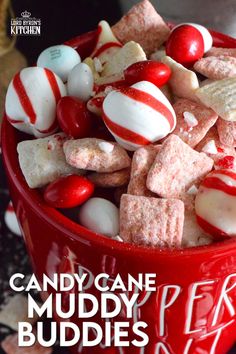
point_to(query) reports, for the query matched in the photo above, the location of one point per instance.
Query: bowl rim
(75, 231)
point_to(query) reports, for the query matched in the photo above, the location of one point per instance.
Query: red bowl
(192, 310)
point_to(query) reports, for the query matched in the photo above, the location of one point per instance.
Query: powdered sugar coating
(87, 155)
(227, 132)
(216, 68)
(220, 95)
(43, 160)
(205, 117)
(176, 168)
(142, 161)
(151, 221)
(143, 25)
(110, 180)
(216, 52)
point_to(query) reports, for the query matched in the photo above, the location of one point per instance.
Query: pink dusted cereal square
(10, 346)
(111, 179)
(212, 146)
(176, 168)
(216, 68)
(151, 222)
(193, 120)
(96, 155)
(216, 52)
(142, 161)
(227, 132)
(144, 25)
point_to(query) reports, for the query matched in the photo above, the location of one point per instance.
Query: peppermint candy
(215, 204)
(138, 115)
(31, 101)
(11, 220)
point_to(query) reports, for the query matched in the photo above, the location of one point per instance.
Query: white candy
(210, 148)
(60, 59)
(80, 82)
(215, 203)
(11, 220)
(138, 115)
(100, 216)
(43, 161)
(31, 101)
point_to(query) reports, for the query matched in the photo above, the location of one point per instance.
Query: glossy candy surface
(185, 45)
(74, 117)
(80, 82)
(138, 115)
(215, 204)
(68, 192)
(31, 101)
(100, 216)
(206, 35)
(60, 59)
(149, 70)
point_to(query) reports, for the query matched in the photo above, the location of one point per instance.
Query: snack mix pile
(138, 138)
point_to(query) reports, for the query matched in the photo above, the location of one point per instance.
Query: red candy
(148, 70)
(74, 117)
(227, 162)
(68, 192)
(185, 45)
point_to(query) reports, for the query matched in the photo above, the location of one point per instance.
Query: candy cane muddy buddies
(138, 139)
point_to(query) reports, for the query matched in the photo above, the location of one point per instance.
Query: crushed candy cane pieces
(210, 148)
(190, 119)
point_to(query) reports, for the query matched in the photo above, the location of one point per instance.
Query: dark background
(62, 20)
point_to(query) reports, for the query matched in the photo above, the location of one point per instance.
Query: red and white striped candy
(215, 204)
(107, 44)
(138, 115)
(206, 36)
(31, 101)
(11, 220)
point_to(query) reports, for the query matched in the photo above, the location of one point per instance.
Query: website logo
(25, 25)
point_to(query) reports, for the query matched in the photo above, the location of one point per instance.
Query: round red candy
(185, 45)
(74, 117)
(68, 192)
(148, 70)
